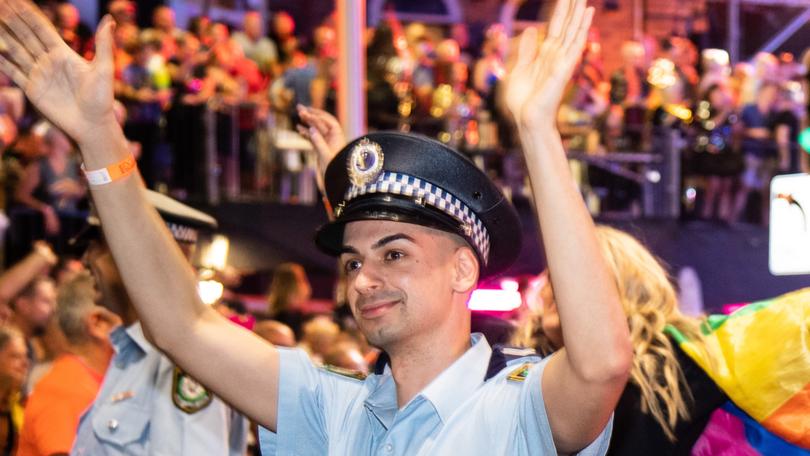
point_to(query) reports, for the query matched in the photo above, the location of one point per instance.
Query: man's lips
(377, 309)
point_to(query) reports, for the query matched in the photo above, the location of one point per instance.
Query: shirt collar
(456, 383)
(446, 392)
(123, 337)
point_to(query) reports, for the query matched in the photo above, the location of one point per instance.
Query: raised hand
(535, 85)
(324, 132)
(74, 94)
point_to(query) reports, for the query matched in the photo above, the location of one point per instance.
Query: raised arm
(77, 96)
(15, 278)
(583, 382)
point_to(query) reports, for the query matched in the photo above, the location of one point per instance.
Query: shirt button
(389, 448)
(112, 425)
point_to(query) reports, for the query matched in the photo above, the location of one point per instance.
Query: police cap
(413, 179)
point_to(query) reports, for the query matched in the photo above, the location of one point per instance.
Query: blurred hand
(324, 131)
(51, 220)
(66, 188)
(74, 94)
(535, 86)
(44, 250)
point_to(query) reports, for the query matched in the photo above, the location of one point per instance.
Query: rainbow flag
(761, 360)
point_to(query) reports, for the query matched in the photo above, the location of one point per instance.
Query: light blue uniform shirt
(134, 413)
(321, 413)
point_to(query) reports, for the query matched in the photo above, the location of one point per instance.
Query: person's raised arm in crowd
(77, 96)
(583, 382)
(15, 278)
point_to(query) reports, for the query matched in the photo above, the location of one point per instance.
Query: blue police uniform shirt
(459, 412)
(134, 413)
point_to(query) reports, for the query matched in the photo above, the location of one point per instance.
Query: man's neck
(414, 365)
(96, 357)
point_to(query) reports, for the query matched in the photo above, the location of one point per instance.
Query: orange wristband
(111, 173)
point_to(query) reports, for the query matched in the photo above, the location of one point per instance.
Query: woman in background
(289, 292)
(669, 399)
(13, 370)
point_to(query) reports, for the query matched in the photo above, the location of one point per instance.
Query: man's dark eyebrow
(391, 238)
(386, 240)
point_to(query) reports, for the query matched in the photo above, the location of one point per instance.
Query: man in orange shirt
(67, 390)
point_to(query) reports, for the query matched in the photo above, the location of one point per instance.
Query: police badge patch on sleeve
(187, 394)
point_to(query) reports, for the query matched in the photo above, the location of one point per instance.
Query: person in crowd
(490, 67)
(346, 354)
(123, 11)
(32, 309)
(789, 116)
(320, 334)
(323, 88)
(288, 295)
(144, 97)
(13, 369)
(52, 185)
(759, 152)
(407, 283)
(716, 71)
(275, 332)
(382, 62)
(77, 35)
(255, 45)
(159, 408)
(628, 97)
(53, 408)
(282, 32)
(669, 399)
(714, 153)
(15, 279)
(165, 28)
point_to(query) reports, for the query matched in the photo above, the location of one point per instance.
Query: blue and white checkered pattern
(427, 193)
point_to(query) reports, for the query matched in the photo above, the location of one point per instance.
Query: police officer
(146, 404)
(416, 226)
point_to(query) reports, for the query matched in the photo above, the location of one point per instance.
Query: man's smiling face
(398, 278)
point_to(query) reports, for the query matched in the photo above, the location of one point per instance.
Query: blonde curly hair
(651, 304)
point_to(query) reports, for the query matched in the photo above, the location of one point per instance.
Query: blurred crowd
(213, 100)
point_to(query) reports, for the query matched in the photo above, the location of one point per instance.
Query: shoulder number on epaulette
(520, 374)
(357, 375)
(189, 395)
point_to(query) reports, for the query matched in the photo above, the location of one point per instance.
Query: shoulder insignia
(357, 375)
(187, 394)
(520, 374)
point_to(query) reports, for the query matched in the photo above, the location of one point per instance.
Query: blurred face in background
(67, 16)
(252, 25)
(36, 309)
(163, 18)
(13, 362)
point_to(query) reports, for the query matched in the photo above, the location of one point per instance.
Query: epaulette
(353, 374)
(502, 355)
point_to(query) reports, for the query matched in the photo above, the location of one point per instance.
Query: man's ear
(465, 270)
(100, 322)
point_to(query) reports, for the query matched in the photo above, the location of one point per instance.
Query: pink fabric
(723, 436)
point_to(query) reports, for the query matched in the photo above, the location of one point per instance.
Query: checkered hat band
(182, 233)
(405, 185)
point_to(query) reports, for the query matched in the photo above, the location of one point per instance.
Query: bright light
(510, 285)
(653, 176)
(210, 291)
(494, 300)
(216, 255)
